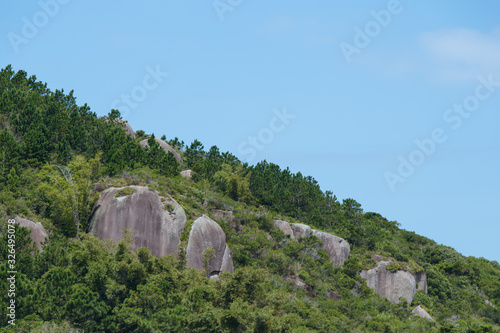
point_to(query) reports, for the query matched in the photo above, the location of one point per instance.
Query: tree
(168, 164)
(36, 146)
(213, 162)
(70, 192)
(194, 156)
(176, 144)
(351, 207)
(13, 182)
(208, 255)
(9, 154)
(234, 182)
(84, 308)
(114, 115)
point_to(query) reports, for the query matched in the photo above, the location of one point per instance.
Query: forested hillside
(56, 156)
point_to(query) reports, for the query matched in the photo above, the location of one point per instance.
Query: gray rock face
(126, 127)
(205, 233)
(420, 311)
(487, 302)
(157, 224)
(393, 285)
(187, 173)
(38, 233)
(227, 261)
(301, 230)
(336, 247)
(224, 214)
(166, 147)
(421, 280)
(285, 227)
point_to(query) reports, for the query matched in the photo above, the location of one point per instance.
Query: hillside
(59, 161)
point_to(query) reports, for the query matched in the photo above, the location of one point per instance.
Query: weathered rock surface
(487, 302)
(421, 280)
(336, 247)
(285, 227)
(393, 285)
(227, 261)
(297, 282)
(157, 224)
(126, 127)
(301, 230)
(207, 233)
(166, 147)
(187, 173)
(420, 311)
(38, 233)
(223, 214)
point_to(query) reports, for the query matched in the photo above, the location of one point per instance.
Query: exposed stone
(207, 233)
(126, 127)
(301, 230)
(38, 234)
(393, 285)
(227, 261)
(297, 282)
(166, 147)
(336, 247)
(99, 187)
(420, 311)
(421, 280)
(187, 173)
(333, 295)
(223, 214)
(157, 224)
(285, 227)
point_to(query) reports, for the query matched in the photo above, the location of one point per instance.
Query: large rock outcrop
(336, 247)
(207, 233)
(420, 312)
(285, 227)
(187, 174)
(165, 146)
(126, 127)
(38, 233)
(394, 285)
(157, 221)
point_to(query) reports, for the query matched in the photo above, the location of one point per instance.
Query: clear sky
(392, 103)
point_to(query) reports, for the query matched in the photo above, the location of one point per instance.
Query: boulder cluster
(336, 247)
(38, 233)
(394, 285)
(157, 222)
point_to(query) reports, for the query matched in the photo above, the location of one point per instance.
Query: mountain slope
(55, 158)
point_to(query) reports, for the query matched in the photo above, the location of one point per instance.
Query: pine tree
(9, 153)
(36, 146)
(13, 182)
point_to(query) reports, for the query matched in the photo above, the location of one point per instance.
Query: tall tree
(9, 153)
(194, 156)
(70, 192)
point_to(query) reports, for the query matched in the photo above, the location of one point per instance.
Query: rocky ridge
(336, 247)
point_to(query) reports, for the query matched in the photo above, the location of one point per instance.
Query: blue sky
(392, 103)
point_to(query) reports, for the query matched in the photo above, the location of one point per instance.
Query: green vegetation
(53, 153)
(124, 192)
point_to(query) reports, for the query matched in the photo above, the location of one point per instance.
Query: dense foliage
(53, 153)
